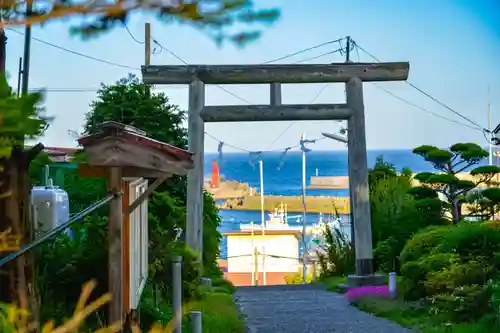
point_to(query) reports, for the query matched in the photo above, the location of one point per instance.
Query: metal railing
(75, 218)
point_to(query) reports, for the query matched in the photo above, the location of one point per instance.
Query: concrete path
(304, 309)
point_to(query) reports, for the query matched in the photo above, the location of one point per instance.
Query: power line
(75, 52)
(305, 50)
(319, 56)
(186, 63)
(477, 126)
(227, 144)
(169, 51)
(177, 57)
(290, 125)
(320, 91)
(261, 151)
(425, 110)
(131, 35)
(90, 89)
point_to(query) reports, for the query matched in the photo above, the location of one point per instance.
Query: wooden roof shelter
(119, 145)
(116, 152)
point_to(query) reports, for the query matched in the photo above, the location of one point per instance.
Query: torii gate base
(352, 74)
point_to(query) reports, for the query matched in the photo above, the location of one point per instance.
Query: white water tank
(49, 207)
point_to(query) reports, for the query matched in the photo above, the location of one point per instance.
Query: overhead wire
(305, 50)
(162, 47)
(475, 126)
(186, 63)
(94, 89)
(132, 35)
(425, 110)
(261, 151)
(319, 56)
(341, 49)
(115, 64)
(112, 63)
(290, 125)
(339, 40)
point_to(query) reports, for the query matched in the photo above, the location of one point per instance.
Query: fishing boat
(278, 220)
(319, 228)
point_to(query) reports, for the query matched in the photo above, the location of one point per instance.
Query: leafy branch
(216, 16)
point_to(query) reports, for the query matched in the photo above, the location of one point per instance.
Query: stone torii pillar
(352, 74)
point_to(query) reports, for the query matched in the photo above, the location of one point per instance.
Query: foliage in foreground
(20, 118)
(336, 255)
(415, 315)
(90, 19)
(455, 269)
(219, 315)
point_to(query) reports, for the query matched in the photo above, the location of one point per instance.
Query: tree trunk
(13, 276)
(17, 279)
(3, 52)
(456, 211)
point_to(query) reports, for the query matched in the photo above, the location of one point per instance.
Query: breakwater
(314, 204)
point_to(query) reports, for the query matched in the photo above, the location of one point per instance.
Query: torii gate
(352, 74)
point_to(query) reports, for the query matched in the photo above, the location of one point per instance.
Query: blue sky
(453, 48)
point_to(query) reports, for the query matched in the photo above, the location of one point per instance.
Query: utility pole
(27, 49)
(147, 44)
(263, 220)
(348, 49)
(19, 76)
(304, 212)
(489, 129)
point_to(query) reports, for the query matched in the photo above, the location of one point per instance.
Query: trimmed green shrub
(463, 304)
(474, 272)
(470, 240)
(415, 273)
(423, 243)
(452, 266)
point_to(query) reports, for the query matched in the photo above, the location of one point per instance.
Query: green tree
(448, 163)
(130, 102)
(396, 215)
(381, 170)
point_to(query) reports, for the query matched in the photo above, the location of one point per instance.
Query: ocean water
(288, 180)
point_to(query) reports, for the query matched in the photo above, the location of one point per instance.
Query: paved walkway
(304, 309)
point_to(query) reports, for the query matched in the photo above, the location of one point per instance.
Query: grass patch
(416, 316)
(332, 283)
(219, 314)
(397, 310)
